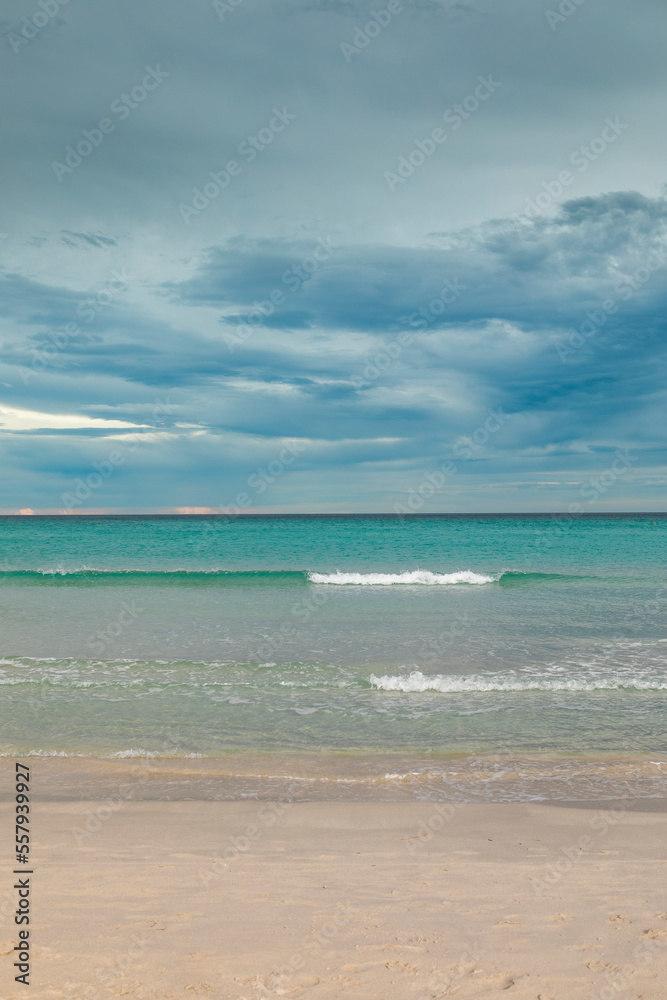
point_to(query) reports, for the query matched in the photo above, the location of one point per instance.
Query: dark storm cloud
(277, 308)
(543, 273)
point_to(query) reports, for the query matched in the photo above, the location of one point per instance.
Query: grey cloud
(97, 240)
(307, 369)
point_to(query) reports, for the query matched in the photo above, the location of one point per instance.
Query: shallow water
(481, 635)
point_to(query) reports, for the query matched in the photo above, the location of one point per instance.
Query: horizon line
(23, 514)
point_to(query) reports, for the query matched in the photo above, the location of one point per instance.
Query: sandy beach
(333, 522)
(373, 900)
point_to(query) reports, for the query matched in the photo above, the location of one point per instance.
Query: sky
(329, 256)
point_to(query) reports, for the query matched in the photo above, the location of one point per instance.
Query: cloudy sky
(318, 255)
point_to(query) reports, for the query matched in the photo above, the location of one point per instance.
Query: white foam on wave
(61, 570)
(417, 682)
(420, 577)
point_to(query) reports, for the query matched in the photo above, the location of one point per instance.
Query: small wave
(216, 576)
(517, 578)
(204, 577)
(421, 577)
(417, 682)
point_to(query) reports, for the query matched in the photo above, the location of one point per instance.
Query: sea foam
(421, 577)
(417, 682)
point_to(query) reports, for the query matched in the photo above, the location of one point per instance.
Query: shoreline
(635, 779)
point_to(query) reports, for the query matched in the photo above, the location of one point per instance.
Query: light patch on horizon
(195, 510)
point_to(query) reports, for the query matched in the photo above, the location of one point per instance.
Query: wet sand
(631, 779)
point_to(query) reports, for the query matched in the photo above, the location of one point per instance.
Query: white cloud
(14, 419)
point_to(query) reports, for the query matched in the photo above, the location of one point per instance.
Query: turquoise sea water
(201, 636)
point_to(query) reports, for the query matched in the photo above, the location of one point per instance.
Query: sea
(482, 657)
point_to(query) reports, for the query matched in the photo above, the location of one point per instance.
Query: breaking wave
(216, 576)
(419, 576)
(417, 682)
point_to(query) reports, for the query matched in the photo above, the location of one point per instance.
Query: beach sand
(409, 900)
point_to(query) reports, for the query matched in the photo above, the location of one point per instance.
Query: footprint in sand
(344, 982)
(362, 966)
(511, 920)
(283, 985)
(400, 967)
(499, 982)
(394, 947)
